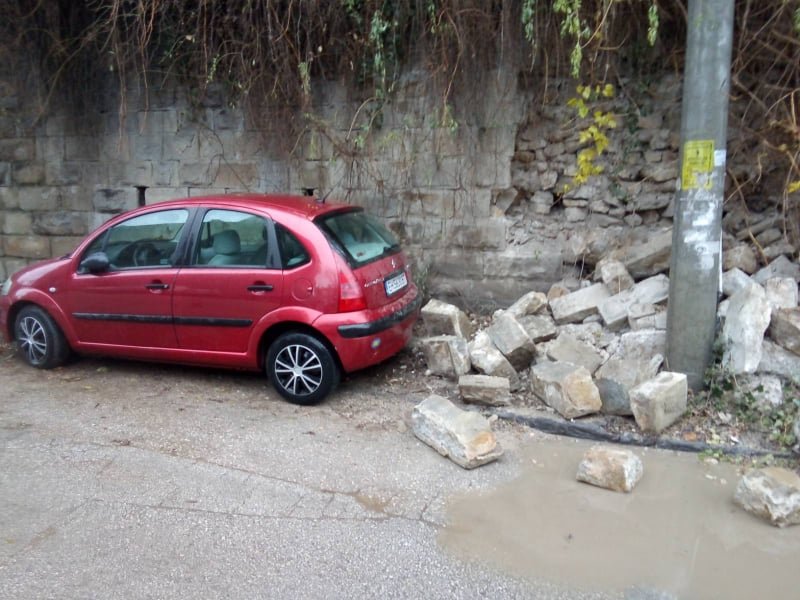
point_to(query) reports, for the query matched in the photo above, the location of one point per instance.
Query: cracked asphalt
(128, 480)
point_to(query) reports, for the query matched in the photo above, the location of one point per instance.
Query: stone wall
(474, 192)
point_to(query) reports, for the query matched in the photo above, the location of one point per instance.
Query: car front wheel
(301, 368)
(39, 339)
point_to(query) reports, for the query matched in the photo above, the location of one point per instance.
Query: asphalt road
(125, 480)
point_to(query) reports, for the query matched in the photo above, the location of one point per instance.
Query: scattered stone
(441, 318)
(772, 493)
(646, 316)
(649, 258)
(735, 280)
(644, 345)
(567, 388)
(659, 402)
(610, 468)
(614, 310)
(741, 257)
(781, 292)
(566, 348)
(446, 355)
(784, 329)
(557, 290)
(779, 361)
(766, 390)
(619, 376)
(485, 389)
(780, 267)
(540, 328)
(487, 359)
(614, 396)
(529, 304)
(512, 340)
(747, 319)
(465, 437)
(576, 306)
(614, 275)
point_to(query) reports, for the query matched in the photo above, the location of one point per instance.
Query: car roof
(303, 206)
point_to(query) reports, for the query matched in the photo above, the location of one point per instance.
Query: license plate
(395, 284)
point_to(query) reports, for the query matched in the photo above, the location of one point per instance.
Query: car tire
(301, 368)
(39, 339)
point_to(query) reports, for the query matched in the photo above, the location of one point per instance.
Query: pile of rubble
(599, 346)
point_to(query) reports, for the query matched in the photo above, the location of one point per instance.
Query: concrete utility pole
(696, 261)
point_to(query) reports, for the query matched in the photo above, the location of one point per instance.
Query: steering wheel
(146, 254)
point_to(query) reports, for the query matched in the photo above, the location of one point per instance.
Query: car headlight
(6, 287)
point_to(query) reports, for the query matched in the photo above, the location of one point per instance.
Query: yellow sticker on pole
(698, 165)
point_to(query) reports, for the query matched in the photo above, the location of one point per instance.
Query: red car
(302, 288)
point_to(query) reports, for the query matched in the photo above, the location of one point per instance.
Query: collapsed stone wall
(475, 191)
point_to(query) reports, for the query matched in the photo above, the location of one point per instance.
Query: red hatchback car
(301, 288)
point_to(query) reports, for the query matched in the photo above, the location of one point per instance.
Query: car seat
(227, 248)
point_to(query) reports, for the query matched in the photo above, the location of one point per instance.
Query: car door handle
(259, 287)
(157, 286)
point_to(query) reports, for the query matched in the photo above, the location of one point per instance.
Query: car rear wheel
(301, 368)
(39, 339)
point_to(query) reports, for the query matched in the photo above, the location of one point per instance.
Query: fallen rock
(779, 361)
(566, 348)
(529, 304)
(781, 292)
(465, 437)
(441, 318)
(735, 280)
(648, 258)
(645, 344)
(646, 316)
(618, 376)
(772, 493)
(614, 310)
(614, 396)
(784, 329)
(485, 389)
(446, 355)
(740, 257)
(567, 388)
(540, 328)
(610, 468)
(743, 333)
(512, 340)
(780, 267)
(487, 359)
(659, 402)
(766, 390)
(575, 307)
(614, 275)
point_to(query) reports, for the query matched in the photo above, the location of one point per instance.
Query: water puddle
(678, 531)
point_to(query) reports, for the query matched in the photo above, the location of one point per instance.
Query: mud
(678, 532)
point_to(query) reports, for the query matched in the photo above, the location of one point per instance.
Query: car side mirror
(96, 262)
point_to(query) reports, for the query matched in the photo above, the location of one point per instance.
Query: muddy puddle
(678, 532)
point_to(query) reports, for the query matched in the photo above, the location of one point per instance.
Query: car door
(232, 280)
(130, 303)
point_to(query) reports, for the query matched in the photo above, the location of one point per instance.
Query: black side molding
(373, 327)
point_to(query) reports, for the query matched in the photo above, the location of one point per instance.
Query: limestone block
(659, 402)
(60, 223)
(17, 223)
(17, 149)
(741, 257)
(567, 388)
(540, 328)
(619, 376)
(614, 310)
(26, 246)
(735, 280)
(646, 316)
(645, 344)
(485, 389)
(781, 292)
(441, 318)
(64, 244)
(780, 267)
(614, 396)
(610, 468)
(487, 359)
(567, 348)
(779, 361)
(784, 328)
(512, 340)
(464, 437)
(747, 319)
(113, 200)
(614, 274)
(201, 173)
(28, 173)
(576, 306)
(542, 202)
(771, 493)
(529, 304)
(446, 355)
(778, 249)
(648, 258)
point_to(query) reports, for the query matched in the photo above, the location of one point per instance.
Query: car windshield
(362, 237)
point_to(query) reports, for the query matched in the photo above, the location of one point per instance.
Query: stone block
(200, 174)
(766, 390)
(464, 437)
(610, 468)
(60, 223)
(61, 245)
(743, 333)
(741, 257)
(487, 359)
(146, 147)
(240, 176)
(648, 258)
(484, 234)
(485, 389)
(441, 318)
(779, 361)
(37, 198)
(567, 348)
(735, 280)
(154, 195)
(780, 267)
(659, 402)
(26, 246)
(17, 223)
(512, 340)
(446, 355)
(576, 306)
(28, 173)
(114, 200)
(17, 149)
(646, 316)
(540, 328)
(784, 328)
(529, 304)
(771, 493)
(781, 292)
(63, 173)
(614, 275)
(82, 147)
(645, 344)
(614, 396)
(614, 310)
(565, 387)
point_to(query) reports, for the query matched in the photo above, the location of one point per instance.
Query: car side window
(293, 253)
(146, 241)
(230, 238)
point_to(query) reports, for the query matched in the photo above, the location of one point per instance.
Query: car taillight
(351, 295)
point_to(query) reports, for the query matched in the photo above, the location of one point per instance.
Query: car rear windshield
(360, 236)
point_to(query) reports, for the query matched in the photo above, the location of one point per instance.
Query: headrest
(227, 242)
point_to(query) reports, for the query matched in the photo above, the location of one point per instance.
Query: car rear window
(361, 236)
